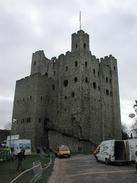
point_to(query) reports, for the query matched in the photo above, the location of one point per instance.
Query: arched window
(107, 92)
(84, 45)
(75, 79)
(94, 85)
(65, 83)
(111, 93)
(86, 79)
(53, 87)
(94, 72)
(73, 94)
(76, 63)
(46, 74)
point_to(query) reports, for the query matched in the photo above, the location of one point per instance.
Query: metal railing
(33, 174)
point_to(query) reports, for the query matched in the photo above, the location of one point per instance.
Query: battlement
(110, 61)
(80, 41)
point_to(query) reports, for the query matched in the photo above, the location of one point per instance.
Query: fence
(33, 174)
(4, 154)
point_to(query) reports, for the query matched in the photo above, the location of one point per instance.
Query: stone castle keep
(72, 99)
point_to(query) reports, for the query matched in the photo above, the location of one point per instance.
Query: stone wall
(30, 102)
(75, 94)
(74, 144)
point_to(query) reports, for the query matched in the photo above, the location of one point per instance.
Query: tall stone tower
(72, 99)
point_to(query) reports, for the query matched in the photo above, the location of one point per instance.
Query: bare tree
(134, 128)
(8, 126)
(125, 132)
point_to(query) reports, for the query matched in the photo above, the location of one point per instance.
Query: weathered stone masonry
(72, 99)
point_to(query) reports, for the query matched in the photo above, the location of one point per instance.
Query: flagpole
(80, 20)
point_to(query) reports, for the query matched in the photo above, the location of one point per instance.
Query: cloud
(5, 111)
(27, 26)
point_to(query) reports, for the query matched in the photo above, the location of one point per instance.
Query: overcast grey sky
(30, 25)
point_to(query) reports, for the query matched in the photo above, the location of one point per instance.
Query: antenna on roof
(80, 20)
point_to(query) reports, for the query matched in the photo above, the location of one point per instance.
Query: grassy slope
(8, 169)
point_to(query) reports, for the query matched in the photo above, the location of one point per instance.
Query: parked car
(111, 151)
(63, 151)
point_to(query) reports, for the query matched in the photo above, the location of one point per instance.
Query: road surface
(84, 169)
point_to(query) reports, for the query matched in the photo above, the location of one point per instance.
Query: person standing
(20, 157)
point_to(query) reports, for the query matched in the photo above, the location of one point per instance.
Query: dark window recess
(73, 118)
(53, 87)
(23, 99)
(65, 83)
(94, 85)
(107, 92)
(94, 72)
(76, 45)
(98, 73)
(99, 88)
(75, 79)
(65, 97)
(22, 121)
(28, 120)
(66, 68)
(76, 63)
(54, 73)
(114, 68)
(84, 45)
(73, 94)
(39, 120)
(110, 81)
(86, 64)
(41, 98)
(46, 74)
(34, 63)
(86, 80)
(46, 121)
(106, 79)
(30, 97)
(111, 93)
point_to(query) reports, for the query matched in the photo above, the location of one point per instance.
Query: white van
(136, 156)
(132, 147)
(113, 151)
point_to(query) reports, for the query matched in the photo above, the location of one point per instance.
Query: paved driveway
(84, 169)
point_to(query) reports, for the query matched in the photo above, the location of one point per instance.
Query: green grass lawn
(8, 169)
(47, 173)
